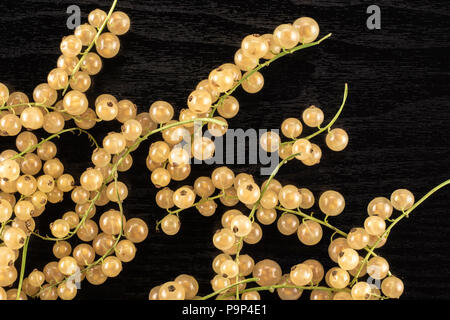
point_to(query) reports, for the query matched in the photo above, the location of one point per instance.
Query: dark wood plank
(397, 117)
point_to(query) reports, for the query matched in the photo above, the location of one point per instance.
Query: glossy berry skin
(266, 216)
(361, 291)
(108, 45)
(290, 197)
(291, 128)
(97, 17)
(287, 36)
(402, 199)
(310, 233)
(313, 116)
(381, 207)
(241, 225)
(270, 141)
(288, 224)
(255, 45)
(358, 238)
(288, 293)
(248, 193)
(75, 102)
(170, 225)
(268, 272)
(199, 101)
(308, 29)
(71, 46)
(374, 225)
(190, 285)
(337, 139)
(335, 248)
(348, 259)
(377, 267)
(392, 287)
(253, 83)
(161, 111)
(172, 291)
(118, 23)
(245, 62)
(331, 203)
(301, 274)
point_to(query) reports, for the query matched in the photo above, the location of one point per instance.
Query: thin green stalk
(53, 136)
(108, 252)
(22, 268)
(220, 195)
(91, 45)
(114, 172)
(238, 252)
(328, 126)
(42, 105)
(80, 224)
(274, 173)
(255, 206)
(309, 217)
(262, 65)
(322, 222)
(288, 286)
(30, 104)
(215, 293)
(4, 225)
(176, 212)
(397, 220)
(119, 236)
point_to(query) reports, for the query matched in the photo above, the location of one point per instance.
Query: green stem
(114, 172)
(309, 217)
(215, 293)
(272, 175)
(262, 65)
(322, 222)
(53, 136)
(91, 45)
(275, 171)
(336, 116)
(4, 225)
(110, 250)
(220, 195)
(397, 220)
(288, 286)
(42, 105)
(161, 128)
(238, 252)
(22, 268)
(36, 104)
(255, 206)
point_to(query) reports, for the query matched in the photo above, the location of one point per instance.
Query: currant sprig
(168, 160)
(260, 66)
(91, 45)
(92, 265)
(405, 214)
(54, 136)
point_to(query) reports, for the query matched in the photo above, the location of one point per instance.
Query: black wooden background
(397, 117)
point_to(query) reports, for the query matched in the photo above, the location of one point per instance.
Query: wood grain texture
(397, 117)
